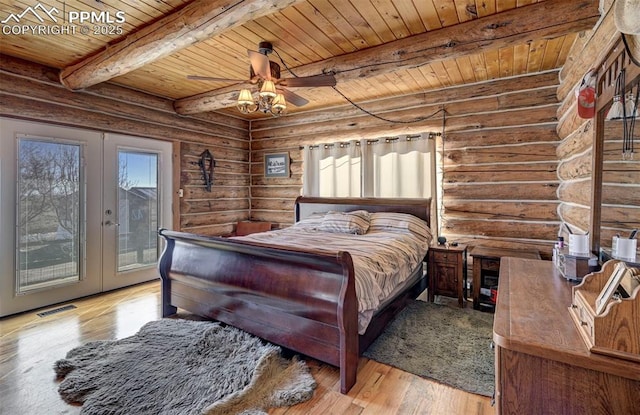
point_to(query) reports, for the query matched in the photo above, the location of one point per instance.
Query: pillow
(312, 221)
(356, 222)
(399, 222)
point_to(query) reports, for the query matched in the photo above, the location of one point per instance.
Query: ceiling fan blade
(209, 78)
(260, 64)
(309, 81)
(292, 98)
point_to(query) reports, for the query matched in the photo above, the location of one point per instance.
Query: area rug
(446, 344)
(184, 367)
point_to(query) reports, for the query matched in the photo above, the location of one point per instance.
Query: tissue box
(577, 266)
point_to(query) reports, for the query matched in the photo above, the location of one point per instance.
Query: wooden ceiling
(376, 48)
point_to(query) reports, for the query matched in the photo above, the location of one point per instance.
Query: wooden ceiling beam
(196, 22)
(548, 19)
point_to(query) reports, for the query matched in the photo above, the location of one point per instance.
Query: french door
(79, 212)
(137, 201)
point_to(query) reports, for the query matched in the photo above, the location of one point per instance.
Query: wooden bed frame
(302, 300)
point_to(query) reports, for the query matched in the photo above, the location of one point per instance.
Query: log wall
(498, 155)
(32, 92)
(620, 207)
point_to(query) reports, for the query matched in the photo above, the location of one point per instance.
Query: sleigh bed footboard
(304, 301)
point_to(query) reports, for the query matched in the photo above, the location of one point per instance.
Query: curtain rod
(375, 140)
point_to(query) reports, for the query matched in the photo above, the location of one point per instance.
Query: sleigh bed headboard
(306, 206)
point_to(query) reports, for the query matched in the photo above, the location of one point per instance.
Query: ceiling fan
(262, 70)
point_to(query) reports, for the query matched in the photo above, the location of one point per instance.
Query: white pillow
(355, 222)
(313, 221)
(399, 222)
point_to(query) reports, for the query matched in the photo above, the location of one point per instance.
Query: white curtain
(400, 167)
(332, 170)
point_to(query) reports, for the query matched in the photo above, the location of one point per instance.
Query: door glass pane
(50, 217)
(137, 210)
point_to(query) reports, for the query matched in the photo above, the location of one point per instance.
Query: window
(333, 170)
(137, 209)
(50, 216)
(400, 167)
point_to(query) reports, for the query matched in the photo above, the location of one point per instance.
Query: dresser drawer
(583, 316)
(447, 257)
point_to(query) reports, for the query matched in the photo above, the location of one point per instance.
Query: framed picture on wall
(276, 165)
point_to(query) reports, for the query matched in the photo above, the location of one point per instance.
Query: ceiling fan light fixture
(246, 105)
(267, 104)
(279, 105)
(268, 89)
(245, 97)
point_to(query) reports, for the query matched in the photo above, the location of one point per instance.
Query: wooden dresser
(542, 364)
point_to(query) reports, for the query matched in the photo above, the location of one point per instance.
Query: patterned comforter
(382, 259)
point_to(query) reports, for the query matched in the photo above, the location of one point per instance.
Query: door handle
(109, 223)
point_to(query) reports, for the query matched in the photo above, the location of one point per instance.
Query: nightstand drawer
(448, 257)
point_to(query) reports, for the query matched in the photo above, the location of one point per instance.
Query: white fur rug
(184, 367)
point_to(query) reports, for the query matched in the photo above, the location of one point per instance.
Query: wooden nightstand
(448, 271)
(486, 266)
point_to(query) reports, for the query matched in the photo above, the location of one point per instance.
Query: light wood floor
(29, 345)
